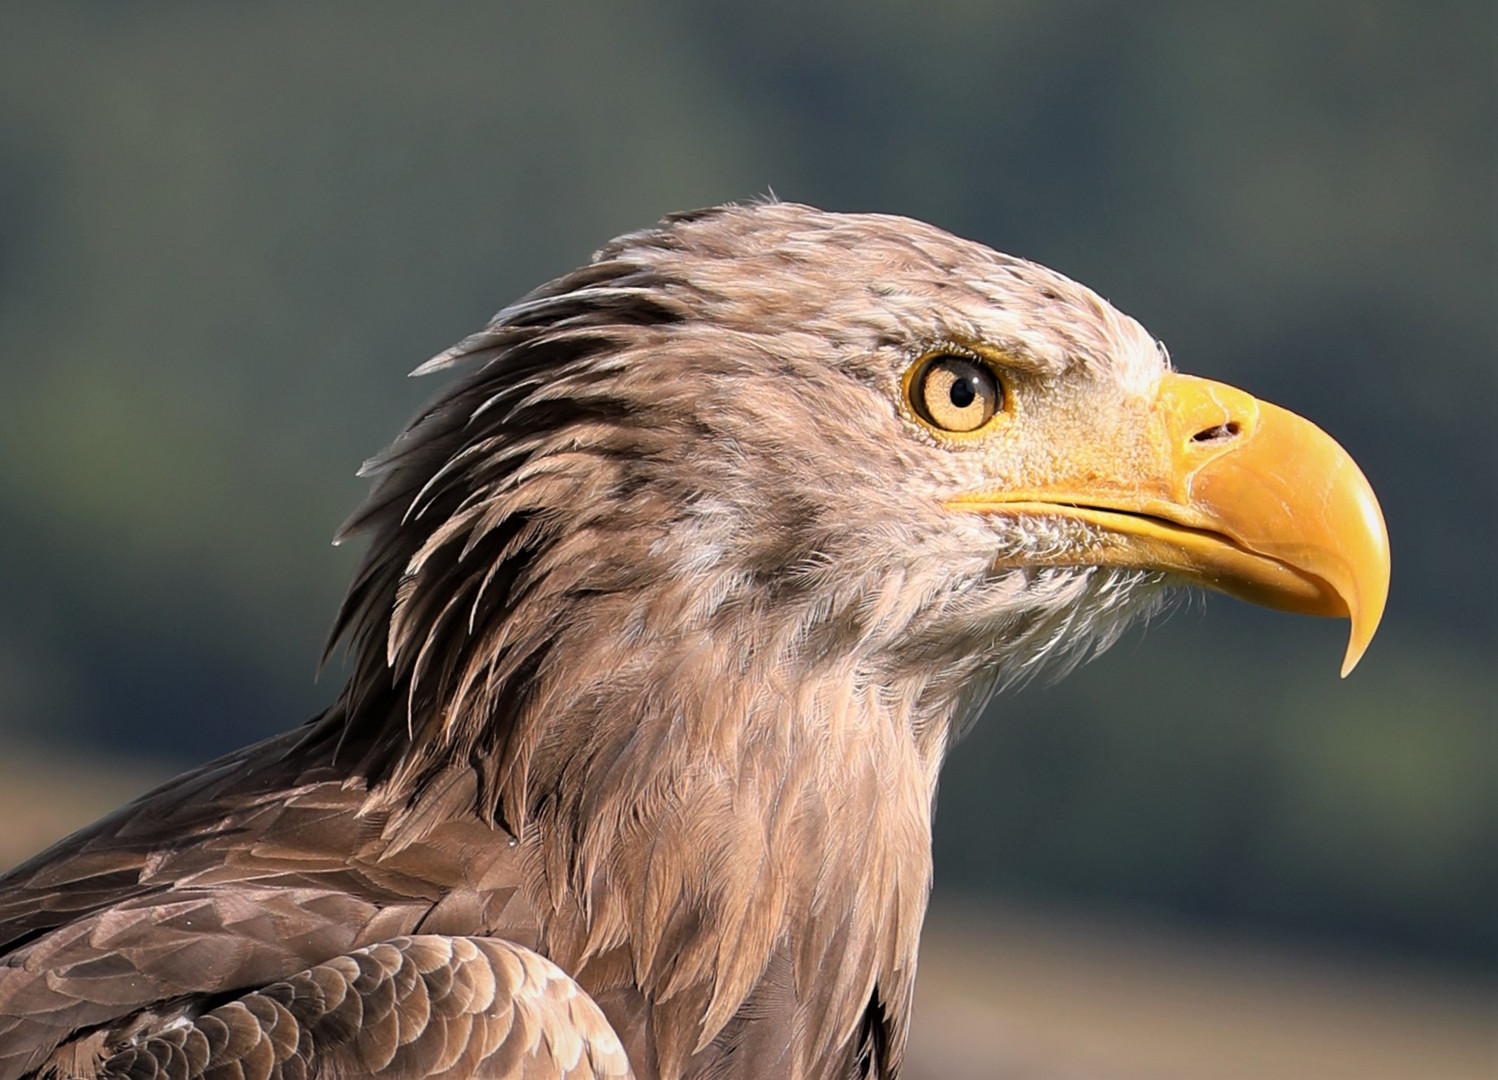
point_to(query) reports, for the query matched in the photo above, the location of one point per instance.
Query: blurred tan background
(227, 230)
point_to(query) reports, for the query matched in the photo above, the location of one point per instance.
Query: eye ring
(955, 393)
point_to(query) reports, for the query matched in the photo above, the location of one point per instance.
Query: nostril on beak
(1217, 432)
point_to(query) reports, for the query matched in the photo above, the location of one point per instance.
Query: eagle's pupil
(962, 392)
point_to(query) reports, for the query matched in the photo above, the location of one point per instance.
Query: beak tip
(1374, 588)
(1364, 626)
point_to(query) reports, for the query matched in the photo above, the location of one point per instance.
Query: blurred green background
(227, 230)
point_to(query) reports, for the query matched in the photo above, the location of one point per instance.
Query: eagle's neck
(720, 812)
(744, 832)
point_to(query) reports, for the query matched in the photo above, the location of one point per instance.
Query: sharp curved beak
(1234, 494)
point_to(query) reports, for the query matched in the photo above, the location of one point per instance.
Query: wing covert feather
(468, 1008)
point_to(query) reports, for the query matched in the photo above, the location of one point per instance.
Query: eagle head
(718, 540)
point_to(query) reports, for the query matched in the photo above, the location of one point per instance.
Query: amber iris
(955, 393)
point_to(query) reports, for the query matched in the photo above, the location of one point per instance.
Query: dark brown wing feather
(222, 882)
(410, 1008)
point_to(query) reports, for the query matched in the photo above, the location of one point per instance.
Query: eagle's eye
(955, 393)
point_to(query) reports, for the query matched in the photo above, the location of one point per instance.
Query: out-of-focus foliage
(226, 231)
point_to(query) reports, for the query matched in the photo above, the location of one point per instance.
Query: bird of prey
(674, 602)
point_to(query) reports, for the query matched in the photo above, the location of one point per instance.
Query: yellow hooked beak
(1234, 494)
